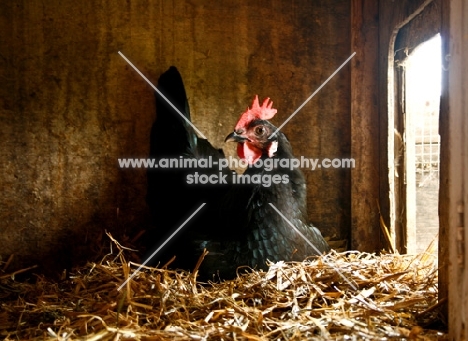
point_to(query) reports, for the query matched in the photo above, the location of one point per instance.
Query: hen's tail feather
(171, 134)
(169, 195)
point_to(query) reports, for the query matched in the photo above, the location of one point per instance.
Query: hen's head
(252, 132)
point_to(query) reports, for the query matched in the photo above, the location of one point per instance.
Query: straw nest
(349, 295)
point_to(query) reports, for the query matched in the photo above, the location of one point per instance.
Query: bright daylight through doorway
(422, 144)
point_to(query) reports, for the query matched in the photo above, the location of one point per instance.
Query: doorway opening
(421, 88)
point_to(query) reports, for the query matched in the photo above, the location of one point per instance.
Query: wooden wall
(454, 189)
(365, 123)
(70, 106)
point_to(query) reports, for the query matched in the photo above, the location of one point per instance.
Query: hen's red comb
(257, 112)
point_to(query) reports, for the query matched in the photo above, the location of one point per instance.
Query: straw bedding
(339, 296)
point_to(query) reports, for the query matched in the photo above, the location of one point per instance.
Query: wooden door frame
(453, 276)
(374, 26)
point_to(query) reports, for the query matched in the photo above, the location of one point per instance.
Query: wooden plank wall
(70, 106)
(365, 126)
(455, 132)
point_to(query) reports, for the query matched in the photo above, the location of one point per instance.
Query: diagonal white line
(162, 245)
(313, 246)
(160, 93)
(310, 97)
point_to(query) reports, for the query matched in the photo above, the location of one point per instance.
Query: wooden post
(365, 231)
(455, 158)
(444, 163)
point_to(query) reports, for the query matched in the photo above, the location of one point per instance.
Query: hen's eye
(260, 130)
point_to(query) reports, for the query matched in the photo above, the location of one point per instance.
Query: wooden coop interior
(70, 107)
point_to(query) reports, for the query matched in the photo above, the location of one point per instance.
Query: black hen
(238, 225)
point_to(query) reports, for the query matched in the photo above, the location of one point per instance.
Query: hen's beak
(234, 137)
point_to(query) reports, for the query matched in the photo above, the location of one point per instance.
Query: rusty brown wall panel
(70, 105)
